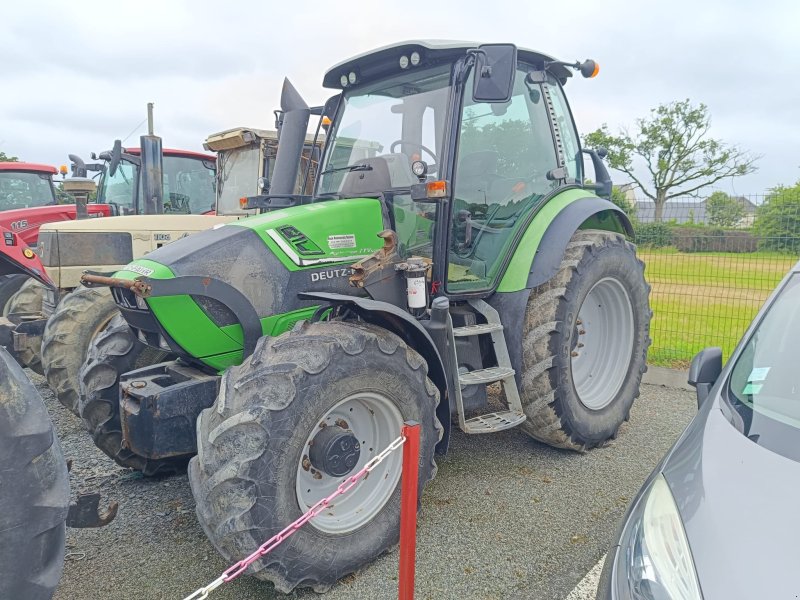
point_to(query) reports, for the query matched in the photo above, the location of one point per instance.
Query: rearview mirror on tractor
(495, 67)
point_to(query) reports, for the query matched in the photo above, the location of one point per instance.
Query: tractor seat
(370, 183)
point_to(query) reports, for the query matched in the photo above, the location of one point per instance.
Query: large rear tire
(256, 470)
(78, 319)
(585, 341)
(34, 490)
(116, 351)
(9, 285)
(28, 300)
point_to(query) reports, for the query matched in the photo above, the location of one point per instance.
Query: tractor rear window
(19, 189)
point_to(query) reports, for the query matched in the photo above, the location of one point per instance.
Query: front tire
(9, 285)
(585, 341)
(258, 441)
(78, 319)
(114, 352)
(28, 300)
(34, 490)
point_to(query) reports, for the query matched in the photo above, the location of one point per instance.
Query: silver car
(719, 517)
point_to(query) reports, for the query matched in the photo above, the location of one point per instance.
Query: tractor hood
(269, 258)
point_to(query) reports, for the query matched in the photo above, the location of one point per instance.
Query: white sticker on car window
(751, 389)
(758, 374)
(341, 241)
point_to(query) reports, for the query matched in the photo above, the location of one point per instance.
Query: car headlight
(654, 561)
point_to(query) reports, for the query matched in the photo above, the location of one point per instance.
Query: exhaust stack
(152, 169)
(292, 138)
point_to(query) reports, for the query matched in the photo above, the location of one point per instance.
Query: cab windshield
(381, 129)
(188, 186)
(764, 385)
(25, 189)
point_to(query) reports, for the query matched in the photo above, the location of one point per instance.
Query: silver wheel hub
(348, 436)
(602, 343)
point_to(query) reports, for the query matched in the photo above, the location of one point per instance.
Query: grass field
(705, 299)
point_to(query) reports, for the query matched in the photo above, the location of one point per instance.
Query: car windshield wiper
(356, 167)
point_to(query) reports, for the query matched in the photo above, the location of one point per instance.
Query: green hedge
(696, 238)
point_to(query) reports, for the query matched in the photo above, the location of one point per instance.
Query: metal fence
(711, 263)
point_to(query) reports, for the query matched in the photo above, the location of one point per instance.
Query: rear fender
(593, 211)
(411, 332)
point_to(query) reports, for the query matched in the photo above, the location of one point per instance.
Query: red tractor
(28, 199)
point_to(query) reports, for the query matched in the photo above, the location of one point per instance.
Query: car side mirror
(704, 372)
(495, 68)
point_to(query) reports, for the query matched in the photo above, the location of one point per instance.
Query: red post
(408, 510)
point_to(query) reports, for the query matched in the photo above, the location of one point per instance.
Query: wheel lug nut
(574, 354)
(582, 331)
(580, 345)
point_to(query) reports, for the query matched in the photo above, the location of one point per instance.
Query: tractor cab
(416, 126)
(26, 185)
(187, 179)
(246, 161)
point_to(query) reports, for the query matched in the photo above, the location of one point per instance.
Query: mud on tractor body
(449, 244)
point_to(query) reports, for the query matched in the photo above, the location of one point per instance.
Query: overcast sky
(76, 75)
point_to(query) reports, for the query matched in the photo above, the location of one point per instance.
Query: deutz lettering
(331, 274)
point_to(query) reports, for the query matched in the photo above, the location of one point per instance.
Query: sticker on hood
(341, 241)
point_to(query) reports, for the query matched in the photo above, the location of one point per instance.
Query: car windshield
(381, 128)
(25, 189)
(765, 380)
(237, 178)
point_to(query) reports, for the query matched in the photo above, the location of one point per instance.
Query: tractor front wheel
(308, 409)
(34, 490)
(78, 319)
(586, 335)
(9, 285)
(28, 300)
(116, 351)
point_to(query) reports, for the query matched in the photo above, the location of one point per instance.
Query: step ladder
(503, 372)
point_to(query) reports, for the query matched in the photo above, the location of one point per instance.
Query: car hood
(739, 504)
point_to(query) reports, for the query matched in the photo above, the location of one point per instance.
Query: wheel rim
(602, 343)
(375, 422)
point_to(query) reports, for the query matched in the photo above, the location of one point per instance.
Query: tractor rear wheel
(34, 490)
(28, 300)
(116, 351)
(585, 341)
(78, 319)
(9, 285)
(306, 410)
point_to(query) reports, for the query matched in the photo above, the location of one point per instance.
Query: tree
(777, 221)
(619, 198)
(723, 210)
(5, 158)
(675, 146)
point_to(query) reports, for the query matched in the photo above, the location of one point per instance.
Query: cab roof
(373, 64)
(174, 152)
(30, 167)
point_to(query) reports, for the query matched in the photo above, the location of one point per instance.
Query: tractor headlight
(654, 561)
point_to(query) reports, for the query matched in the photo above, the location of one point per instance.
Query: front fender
(411, 332)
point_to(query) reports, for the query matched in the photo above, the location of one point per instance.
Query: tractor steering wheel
(420, 146)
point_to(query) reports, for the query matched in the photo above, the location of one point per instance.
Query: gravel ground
(506, 517)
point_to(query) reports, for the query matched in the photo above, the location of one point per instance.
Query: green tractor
(450, 265)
